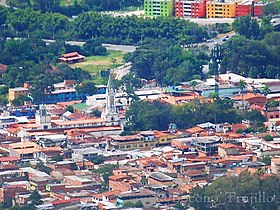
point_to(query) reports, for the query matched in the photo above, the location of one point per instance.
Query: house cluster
(80, 161)
(152, 169)
(203, 8)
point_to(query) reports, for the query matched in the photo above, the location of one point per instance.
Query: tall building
(43, 118)
(155, 8)
(249, 8)
(190, 8)
(109, 112)
(220, 9)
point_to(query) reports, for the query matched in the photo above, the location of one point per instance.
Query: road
(121, 71)
(123, 48)
(212, 42)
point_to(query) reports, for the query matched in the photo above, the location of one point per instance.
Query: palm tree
(193, 85)
(266, 90)
(242, 85)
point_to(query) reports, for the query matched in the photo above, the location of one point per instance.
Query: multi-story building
(249, 8)
(154, 8)
(14, 93)
(220, 9)
(190, 8)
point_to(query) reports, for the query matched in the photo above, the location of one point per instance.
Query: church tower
(109, 112)
(43, 118)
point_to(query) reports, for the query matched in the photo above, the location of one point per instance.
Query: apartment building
(155, 8)
(220, 9)
(190, 8)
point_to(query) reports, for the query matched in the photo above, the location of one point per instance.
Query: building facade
(155, 8)
(216, 9)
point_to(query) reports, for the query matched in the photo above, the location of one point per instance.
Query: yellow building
(164, 138)
(143, 141)
(220, 9)
(15, 92)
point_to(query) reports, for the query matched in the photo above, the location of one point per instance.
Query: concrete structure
(249, 8)
(147, 197)
(190, 8)
(217, 9)
(109, 112)
(14, 93)
(225, 150)
(275, 166)
(154, 8)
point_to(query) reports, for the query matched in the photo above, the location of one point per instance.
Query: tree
(268, 137)
(3, 100)
(139, 204)
(99, 159)
(20, 100)
(69, 109)
(246, 26)
(242, 85)
(94, 47)
(193, 85)
(86, 88)
(41, 167)
(266, 90)
(35, 198)
(226, 193)
(57, 158)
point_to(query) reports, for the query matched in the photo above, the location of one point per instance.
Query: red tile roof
(8, 159)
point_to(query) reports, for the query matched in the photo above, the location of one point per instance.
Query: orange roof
(27, 151)
(195, 130)
(248, 96)
(23, 144)
(226, 146)
(65, 201)
(118, 177)
(8, 159)
(276, 160)
(236, 127)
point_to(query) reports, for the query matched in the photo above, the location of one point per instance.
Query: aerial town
(104, 109)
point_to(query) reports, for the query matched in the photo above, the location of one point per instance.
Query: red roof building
(73, 57)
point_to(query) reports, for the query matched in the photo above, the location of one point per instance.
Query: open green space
(93, 64)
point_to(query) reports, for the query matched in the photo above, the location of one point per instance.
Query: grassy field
(94, 64)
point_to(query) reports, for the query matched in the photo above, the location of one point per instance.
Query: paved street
(123, 48)
(121, 71)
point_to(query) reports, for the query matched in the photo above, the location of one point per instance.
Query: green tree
(20, 100)
(35, 198)
(246, 26)
(266, 90)
(86, 88)
(268, 137)
(41, 167)
(69, 109)
(57, 158)
(225, 193)
(242, 85)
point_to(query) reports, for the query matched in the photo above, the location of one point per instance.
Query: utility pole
(216, 60)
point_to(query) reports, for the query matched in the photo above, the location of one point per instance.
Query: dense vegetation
(167, 62)
(126, 30)
(253, 58)
(146, 115)
(238, 192)
(77, 7)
